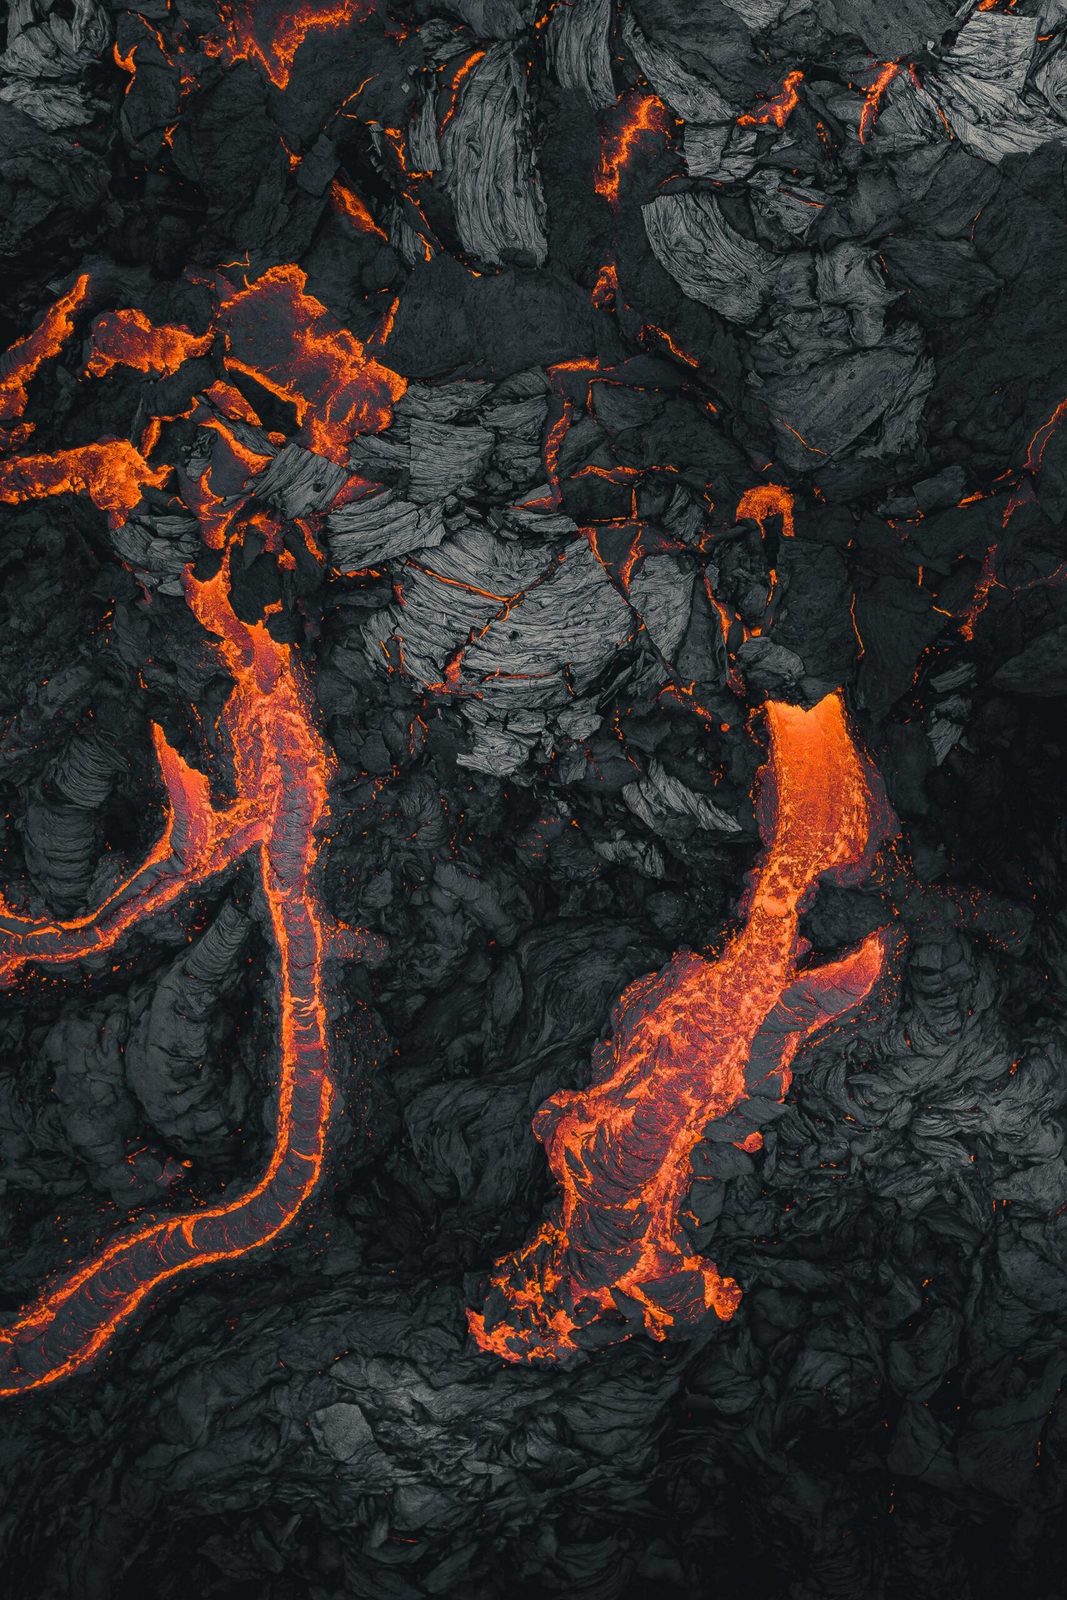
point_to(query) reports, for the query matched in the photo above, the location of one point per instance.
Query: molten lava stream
(281, 772)
(688, 1044)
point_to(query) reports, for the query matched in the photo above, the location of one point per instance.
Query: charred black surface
(487, 318)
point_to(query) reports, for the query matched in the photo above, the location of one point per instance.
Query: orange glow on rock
(23, 360)
(688, 1044)
(639, 119)
(606, 287)
(652, 330)
(873, 94)
(465, 69)
(129, 339)
(281, 770)
(348, 203)
(270, 34)
(113, 473)
(988, 579)
(287, 341)
(1040, 441)
(243, 457)
(768, 500)
(987, 582)
(778, 109)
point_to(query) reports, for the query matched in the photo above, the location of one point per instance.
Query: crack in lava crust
(688, 1044)
(281, 771)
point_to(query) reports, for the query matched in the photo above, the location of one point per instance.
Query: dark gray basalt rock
(536, 634)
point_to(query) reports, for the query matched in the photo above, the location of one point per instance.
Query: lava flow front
(688, 1044)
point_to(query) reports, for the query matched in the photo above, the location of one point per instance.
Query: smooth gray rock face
(380, 527)
(297, 482)
(693, 98)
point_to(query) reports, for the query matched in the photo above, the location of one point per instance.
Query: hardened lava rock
(438, 440)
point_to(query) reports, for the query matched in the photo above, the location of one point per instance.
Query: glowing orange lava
(768, 500)
(280, 774)
(281, 771)
(1022, 492)
(113, 473)
(129, 339)
(688, 1044)
(779, 108)
(987, 582)
(295, 348)
(872, 96)
(25, 358)
(349, 204)
(652, 330)
(270, 33)
(465, 69)
(638, 120)
(1035, 453)
(606, 287)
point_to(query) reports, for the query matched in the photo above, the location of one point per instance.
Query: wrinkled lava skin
(688, 1044)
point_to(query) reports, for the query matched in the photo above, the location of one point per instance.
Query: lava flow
(23, 360)
(777, 108)
(688, 1044)
(281, 773)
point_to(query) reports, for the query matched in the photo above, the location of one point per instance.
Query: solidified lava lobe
(688, 1044)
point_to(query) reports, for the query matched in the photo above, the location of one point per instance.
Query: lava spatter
(687, 1045)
